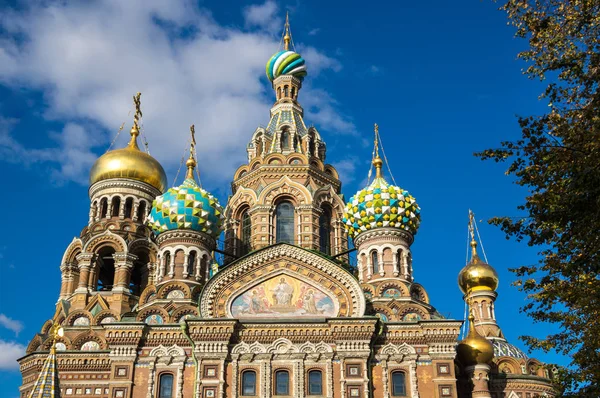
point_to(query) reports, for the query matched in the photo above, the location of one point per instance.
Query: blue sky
(440, 78)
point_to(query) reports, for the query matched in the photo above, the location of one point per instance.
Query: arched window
(191, 263)
(286, 91)
(375, 262)
(116, 204)
(278, 92)
(141, 212)
(105, 269)
(398, 384)
(315, 382)
(249, 383)
(325, 231)
(282, 382)
(285, 140)
(285, 222)
(245, 233)
(128, 207)
(165, 386)
(139, 274)
(103, 207)
(167, 260)
(293, 92)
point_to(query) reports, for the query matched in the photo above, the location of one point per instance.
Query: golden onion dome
(477, 275)
(474, 349)
(129, 162)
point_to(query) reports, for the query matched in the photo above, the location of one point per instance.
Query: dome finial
(377, 162)
(287, 36)
(191, 162)
(472, 232)
(135, 130)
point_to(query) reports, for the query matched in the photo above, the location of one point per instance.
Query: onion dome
(130, 162)
(477, 275)
(474, 349)
(381, 205)
(286, 62)
(187, 206)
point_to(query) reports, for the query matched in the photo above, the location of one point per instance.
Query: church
(145, 310)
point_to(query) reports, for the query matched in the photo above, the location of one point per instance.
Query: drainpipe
(184, 329)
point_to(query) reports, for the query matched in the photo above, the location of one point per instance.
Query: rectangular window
(315, 382)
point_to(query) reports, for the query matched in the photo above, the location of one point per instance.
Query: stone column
(381, 263)
(405, 272)
(186, 259)
(122, 209)
(123, 267)
(395, 260)
(234, 375)
(480, 377)
(134, 211)
(86, 262)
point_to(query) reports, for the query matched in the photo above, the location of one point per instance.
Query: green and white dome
(187, 206)
(381, 205)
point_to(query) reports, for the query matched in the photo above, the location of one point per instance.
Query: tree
(558, 159)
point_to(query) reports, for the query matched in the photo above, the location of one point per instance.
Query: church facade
(144, 310)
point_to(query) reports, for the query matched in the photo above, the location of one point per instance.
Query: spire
(135, 130)
(377, 162)
(47, 384)
(191, 162)
(287, 35)
(472, 232)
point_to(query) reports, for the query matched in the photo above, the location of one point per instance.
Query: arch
(254, 165)
(149, 312)
(285, 187)
(275, 158)
(148, 294)
(105, 239)
(247, 271)
(248, 385)
(417, 291)
(186, 310)
(74, 248)
(168, 287)
(241, 172)
(285, 222)
(75, 317)
(329, 169)
(86, 336)
(115, 206)
(105, 316)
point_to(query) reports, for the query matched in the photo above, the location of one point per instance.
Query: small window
(249, 383)
(141, 213)
(282, 382)
(103, 207)
(246, 233)
(375, 262)
(165, 388)
(315, 382)
(116, 205)
(128, 207)
(285, 140)
(285, 222)
(325, 231)
(191, 263)
(398, 384)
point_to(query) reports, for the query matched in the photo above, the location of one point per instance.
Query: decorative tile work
(381, 205)
(187, 207)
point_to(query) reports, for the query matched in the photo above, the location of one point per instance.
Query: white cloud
(314, 32)
(11, 324)
(89, 58)
(264, 16)
(11, 351)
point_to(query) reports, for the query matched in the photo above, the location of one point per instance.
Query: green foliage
(558, 159)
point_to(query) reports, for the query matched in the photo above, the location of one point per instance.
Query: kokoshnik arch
(146, 312)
